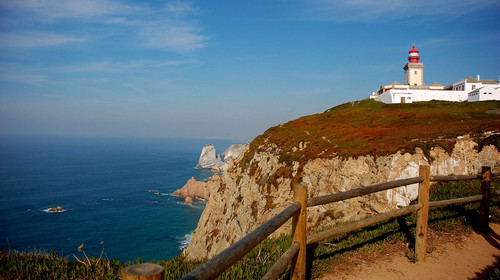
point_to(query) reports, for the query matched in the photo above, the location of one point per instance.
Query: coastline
(95, 181)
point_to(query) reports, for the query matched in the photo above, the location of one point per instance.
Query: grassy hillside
(370, 127)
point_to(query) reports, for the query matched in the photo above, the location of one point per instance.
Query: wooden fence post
(484, 210)
(422, 215)
(144, 271)
(299, 222)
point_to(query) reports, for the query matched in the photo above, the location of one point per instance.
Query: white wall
(485, 93)
(394, 96)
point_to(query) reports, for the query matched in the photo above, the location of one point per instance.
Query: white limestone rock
(208, 158)
(234, 151)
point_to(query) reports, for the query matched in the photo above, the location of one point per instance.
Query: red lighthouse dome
(414, 56)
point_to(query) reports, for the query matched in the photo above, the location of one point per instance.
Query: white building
(414, 89)
(489, 92)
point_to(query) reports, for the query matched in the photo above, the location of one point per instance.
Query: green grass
(43, 265)
(459, 218)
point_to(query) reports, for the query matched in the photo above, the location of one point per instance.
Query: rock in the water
(208, 158)
(188, 200)
(56, 209)
(211, 160)
(197, 189)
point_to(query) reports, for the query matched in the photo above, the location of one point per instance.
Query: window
(473, 87)
(415, 72)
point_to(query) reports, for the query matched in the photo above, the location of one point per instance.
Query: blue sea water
(102, 184)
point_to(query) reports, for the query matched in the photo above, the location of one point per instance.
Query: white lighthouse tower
(414, 69)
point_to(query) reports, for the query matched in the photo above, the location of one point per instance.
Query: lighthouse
(414, 69)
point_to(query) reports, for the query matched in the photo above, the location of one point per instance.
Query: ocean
(105, 187)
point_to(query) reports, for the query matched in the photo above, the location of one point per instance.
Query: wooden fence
(296, 254)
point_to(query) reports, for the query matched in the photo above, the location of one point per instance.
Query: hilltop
(369, 127)
(349, 146)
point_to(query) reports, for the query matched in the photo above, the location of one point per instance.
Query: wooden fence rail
(218, 264)
(296, 253)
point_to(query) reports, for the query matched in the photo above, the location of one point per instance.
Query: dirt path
(454, 257)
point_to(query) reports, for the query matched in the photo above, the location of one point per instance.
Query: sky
(222, 69)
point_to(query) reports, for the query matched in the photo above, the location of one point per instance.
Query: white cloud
(364, 10)
(135, 88)
(164, 27)
(20, 73)
(24, 78)
(36, 39)
(175, 36)
(46, 10)
(181, 7)
(114, 66)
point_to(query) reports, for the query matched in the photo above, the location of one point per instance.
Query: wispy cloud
(49, 10)
(103, 72)
(20, 73)
(365, 10)
(108, 66)
(181, 8)
(178, 37)
(25, 79)
(36, 39)
(167, 27)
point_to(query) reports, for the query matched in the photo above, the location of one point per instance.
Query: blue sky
(222, 69)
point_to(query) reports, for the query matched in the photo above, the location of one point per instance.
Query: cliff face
(243, 201)
(350, 146)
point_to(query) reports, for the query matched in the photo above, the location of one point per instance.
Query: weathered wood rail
(296, 254)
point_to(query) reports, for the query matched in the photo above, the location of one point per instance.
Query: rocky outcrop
(189, 200)
(247, 195)
(196, 189)
(56, 209)
(234, 151)
(209, 159)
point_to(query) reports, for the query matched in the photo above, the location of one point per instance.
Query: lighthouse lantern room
(414, 69)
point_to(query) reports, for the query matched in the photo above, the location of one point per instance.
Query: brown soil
(453, 256)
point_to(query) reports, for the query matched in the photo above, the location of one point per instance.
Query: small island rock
(188, 200)
(57, 209)
(208, 158)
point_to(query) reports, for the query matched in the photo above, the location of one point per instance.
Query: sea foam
(184, 242)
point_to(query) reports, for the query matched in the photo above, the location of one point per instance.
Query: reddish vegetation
(369, 127)
(372, 128)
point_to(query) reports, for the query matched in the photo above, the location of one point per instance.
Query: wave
(155, 192)
(166, 194)
(196, 205)
(107, 199)
(186, 239)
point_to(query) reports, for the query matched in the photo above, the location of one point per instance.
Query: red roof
(414, 50)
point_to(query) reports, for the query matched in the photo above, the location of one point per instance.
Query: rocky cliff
(339, 150)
